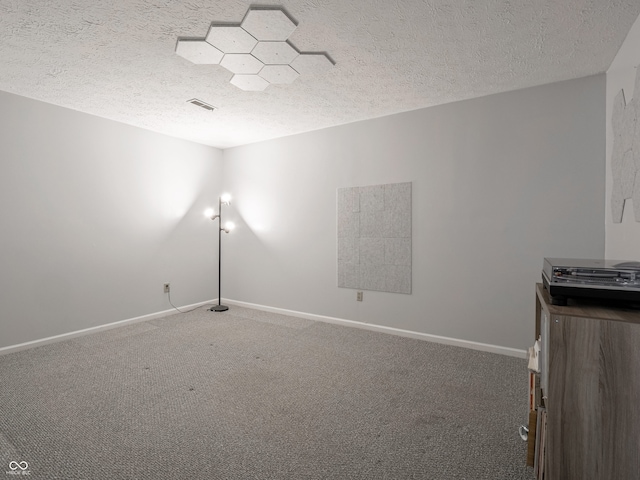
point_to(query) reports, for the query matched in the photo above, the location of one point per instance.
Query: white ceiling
(117, 59)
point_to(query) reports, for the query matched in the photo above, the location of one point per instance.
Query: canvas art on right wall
(374, 237)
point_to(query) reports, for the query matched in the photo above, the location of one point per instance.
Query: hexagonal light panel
(271, 25)
(274, 53)
(256, 51)
(199, 52)
(312, 64)
(230, 39)
(241, 63)
(253, 83)
(279, 74)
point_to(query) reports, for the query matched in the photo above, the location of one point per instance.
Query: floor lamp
(224, 199)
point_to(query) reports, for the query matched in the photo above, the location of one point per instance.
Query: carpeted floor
(252, 395)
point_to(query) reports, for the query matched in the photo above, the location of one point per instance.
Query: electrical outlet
(359, 296)
(166, 288)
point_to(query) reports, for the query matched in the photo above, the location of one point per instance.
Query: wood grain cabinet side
(593, 398)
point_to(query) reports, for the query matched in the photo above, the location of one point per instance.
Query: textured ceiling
(117, 59)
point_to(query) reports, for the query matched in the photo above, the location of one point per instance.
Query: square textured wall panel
(374, 237)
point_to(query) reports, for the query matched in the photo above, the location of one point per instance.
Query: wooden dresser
(590, 386)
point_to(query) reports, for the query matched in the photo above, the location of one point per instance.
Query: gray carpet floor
(252, 395)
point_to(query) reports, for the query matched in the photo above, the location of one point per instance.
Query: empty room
(310, 239)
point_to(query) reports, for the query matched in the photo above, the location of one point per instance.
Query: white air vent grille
(202, 104)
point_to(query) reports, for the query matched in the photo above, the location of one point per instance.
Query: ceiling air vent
(202, 104)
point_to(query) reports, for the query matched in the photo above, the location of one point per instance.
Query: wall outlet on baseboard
(166, 288)
(359, 296)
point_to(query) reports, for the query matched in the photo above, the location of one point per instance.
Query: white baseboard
(99, 328)
(485, 347)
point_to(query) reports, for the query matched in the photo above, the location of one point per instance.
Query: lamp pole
(219, 307)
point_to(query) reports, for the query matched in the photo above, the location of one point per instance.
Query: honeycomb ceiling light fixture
(257, 51)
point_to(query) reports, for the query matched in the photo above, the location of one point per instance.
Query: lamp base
(219, 308)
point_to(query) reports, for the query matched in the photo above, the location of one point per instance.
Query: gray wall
(499, 183)
(95, 217)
